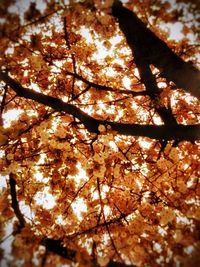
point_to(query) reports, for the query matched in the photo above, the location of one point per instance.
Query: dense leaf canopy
(99, 133)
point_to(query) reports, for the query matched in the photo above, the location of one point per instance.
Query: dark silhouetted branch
(147, 46)
(106, 225)
(92, 229)
(14, 201)
(118, 264)
(159, 132)
(104, 87)
(56, 247)
(66, 36)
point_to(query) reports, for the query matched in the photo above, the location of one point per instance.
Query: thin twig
(72, 55)
(104, 218)
(104, 87)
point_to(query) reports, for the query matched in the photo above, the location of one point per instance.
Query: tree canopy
(99, 133)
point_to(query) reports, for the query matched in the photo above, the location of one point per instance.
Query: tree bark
(159, 132)
(146, 46)
(15, 203)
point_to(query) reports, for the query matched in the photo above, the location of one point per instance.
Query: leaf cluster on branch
(99, 136)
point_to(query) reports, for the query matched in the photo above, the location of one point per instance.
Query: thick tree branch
(56, 246)
(14, 201)
(148, 79)
(117, 264)
(155, 51)
(90, 123)
(159, 132)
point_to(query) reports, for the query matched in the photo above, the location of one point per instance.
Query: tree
(102, 162)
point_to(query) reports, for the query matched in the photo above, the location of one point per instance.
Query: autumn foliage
(99, 133)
